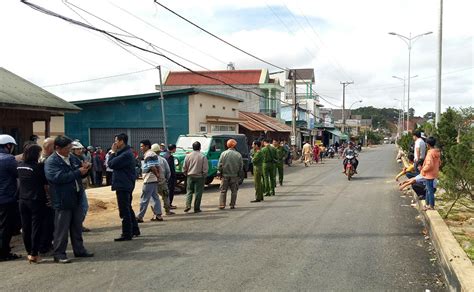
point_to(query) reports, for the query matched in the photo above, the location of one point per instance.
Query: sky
(342, 40)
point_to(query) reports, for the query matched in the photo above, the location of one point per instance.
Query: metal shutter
(105, 137)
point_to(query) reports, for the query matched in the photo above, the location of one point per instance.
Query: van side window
(219, 144)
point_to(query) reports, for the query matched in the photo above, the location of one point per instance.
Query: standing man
(8, 204)
(122, 161)
(420, 149)
(269, 160)
(64, 173)
(195, 169)
(163, 178)
(257, 159)
(150, 173)
(168, 155)
(98, 164)
(230, 166)
(307, 152)
(280, 154)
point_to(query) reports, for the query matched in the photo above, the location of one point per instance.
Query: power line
(166, 33)
(99, 78)
(112, 35)
(215, 36)
(131, 35)
(226, 42)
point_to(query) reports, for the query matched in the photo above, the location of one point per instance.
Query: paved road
(320, 232)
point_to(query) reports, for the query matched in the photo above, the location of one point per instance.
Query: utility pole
(295, 106)
(440, 61)
(163, 108)
(344, 84)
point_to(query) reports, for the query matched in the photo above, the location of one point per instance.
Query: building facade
(187, 111)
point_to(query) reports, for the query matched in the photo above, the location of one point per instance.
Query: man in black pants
(8, 204)
(122, 161)
(64, 173)
(168, 155)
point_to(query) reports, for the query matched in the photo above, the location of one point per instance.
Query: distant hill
(386, 118)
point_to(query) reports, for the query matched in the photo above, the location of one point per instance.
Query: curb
(457, 267)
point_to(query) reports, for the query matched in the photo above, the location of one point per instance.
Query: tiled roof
(262, 123)
(20, 93)
(228, 76)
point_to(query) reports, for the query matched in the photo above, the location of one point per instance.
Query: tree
(411, 111)
(429, 116)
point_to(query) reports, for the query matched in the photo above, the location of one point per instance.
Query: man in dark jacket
(168, 155)
(64, 173)
(8, 204)
(122, 161)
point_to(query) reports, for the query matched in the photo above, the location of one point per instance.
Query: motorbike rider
(350, 151)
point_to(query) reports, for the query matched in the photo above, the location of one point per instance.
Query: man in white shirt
(420, 148)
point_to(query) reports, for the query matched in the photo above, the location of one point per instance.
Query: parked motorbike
(349, 164)
(330, 152)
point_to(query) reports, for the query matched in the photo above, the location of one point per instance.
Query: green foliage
(405, 142)
(457, 178)
(374, 138)
(380, 117)
(455, 135)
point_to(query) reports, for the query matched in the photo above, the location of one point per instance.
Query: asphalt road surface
(320, 232)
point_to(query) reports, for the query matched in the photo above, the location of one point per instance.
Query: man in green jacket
(257, 160)
(268, 167)
(281, 155)
(230, 167)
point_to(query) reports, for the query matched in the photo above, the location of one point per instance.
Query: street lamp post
(350, 113)
(400, 123)
(403, 100)
(409, 41)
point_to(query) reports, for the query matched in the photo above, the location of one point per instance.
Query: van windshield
(187, 142)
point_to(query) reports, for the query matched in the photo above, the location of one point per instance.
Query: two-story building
(259, 92)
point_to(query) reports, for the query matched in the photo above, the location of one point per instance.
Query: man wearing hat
(420, 149)
(8, 205)
(230, 167)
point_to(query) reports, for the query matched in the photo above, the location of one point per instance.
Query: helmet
(90, 148)
(155, 147)
(7, 139)
(76, 145)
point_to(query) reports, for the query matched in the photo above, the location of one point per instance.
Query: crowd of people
(422, 171)
(43, 190)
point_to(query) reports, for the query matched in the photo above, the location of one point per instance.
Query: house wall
(132, 113)
(19, 124)
(56, 128)
(252, 103)
(202, 105)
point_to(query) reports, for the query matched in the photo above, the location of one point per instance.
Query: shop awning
(262, 123)
(338, 133)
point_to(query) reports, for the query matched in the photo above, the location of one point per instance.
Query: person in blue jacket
(64, 173)
(122, 161)
(8, 204)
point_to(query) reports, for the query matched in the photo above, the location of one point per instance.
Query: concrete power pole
(440, 63)
(295, 106)
(344, 84)
(163, 108)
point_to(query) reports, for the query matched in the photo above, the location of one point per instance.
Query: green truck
(212, 145)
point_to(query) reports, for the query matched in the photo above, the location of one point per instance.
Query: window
(202, 128)
(223, 128)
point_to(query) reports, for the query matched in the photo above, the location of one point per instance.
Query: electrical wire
(112, 35)
(99, 78)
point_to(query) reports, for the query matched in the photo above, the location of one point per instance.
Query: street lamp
(403, 102)
(350, 114)
(409, 41)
